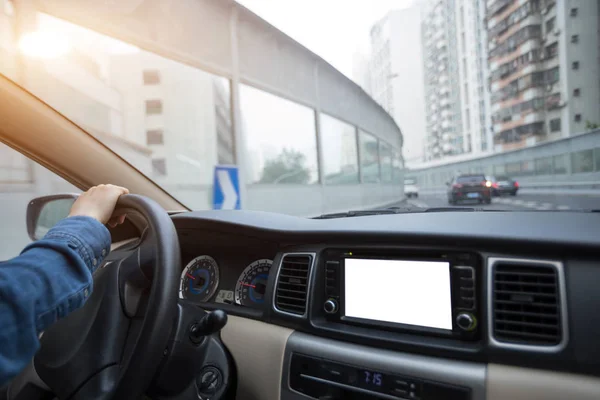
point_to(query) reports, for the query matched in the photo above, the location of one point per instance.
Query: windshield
(262, 105)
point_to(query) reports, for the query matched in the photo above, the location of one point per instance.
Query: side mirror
(45, 212)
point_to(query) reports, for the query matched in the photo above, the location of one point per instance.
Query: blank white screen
(405, 292)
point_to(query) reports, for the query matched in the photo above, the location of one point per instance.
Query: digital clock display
(372, 378)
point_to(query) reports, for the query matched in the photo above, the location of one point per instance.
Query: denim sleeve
(51, 278)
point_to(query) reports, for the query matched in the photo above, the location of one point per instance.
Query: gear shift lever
(209, 324)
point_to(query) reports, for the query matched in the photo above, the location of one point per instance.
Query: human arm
(52, 277)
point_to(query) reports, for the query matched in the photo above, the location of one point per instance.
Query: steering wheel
(112, 347)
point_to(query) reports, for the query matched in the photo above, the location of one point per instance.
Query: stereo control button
(465, 321)
(330, 306)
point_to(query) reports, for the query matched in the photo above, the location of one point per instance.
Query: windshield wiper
(360, 213)
(400, 210)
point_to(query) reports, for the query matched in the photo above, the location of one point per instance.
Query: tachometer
(252, 283)
(199, 279)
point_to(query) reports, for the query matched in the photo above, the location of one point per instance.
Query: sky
(334, 29)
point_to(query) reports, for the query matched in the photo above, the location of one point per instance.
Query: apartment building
(396, 71)
(472, 75)
(442, 87)
(544, 69)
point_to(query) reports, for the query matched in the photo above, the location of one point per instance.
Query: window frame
(321, 132)
(362, 132)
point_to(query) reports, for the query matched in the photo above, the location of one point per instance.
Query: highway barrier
(568, 163)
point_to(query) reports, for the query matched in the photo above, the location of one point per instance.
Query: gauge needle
(190, 276)
(249, 285)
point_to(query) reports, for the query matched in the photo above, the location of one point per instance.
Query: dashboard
(408, 306)
(230, 271)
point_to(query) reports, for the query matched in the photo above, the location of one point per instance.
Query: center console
(320, 368)
(373, 303)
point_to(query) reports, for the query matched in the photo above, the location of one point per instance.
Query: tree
(287, 167)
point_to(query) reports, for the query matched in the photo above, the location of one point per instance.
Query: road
(524, 200)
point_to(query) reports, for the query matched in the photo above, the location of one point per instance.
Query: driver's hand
(99, 203)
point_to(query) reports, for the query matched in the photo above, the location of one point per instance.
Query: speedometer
(252, 283)
(199, 279)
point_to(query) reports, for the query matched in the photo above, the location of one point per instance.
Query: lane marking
(537, 205)
(418, 203)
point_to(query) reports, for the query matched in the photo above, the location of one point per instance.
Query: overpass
(283, 105)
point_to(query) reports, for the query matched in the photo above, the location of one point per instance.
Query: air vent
(292, 283)
(526, 303)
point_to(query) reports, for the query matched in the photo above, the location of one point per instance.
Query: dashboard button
(330, 306)
(466, 322)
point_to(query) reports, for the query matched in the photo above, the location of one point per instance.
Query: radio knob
(465, 321)
(330, 306)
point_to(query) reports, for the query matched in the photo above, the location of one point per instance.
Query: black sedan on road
(474, 187)
(503, 185)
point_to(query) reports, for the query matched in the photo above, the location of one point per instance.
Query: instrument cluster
(201, 281)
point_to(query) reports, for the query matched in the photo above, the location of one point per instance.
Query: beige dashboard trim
(515, 383)
(258, 350)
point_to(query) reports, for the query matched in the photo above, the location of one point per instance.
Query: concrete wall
(312, 201)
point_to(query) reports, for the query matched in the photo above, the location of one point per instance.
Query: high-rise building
(455, 59)
(361, 73)
(472, 73)
(442, 88)
(396, 71)
(544, 69)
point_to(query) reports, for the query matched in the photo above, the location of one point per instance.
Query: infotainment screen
(403, 292)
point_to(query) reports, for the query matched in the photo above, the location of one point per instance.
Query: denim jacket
(48, 280)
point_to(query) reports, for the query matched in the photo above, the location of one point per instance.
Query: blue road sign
(226, 188)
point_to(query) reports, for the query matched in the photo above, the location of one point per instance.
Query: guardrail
(523, 185)
(561, 185)
(573, 161)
